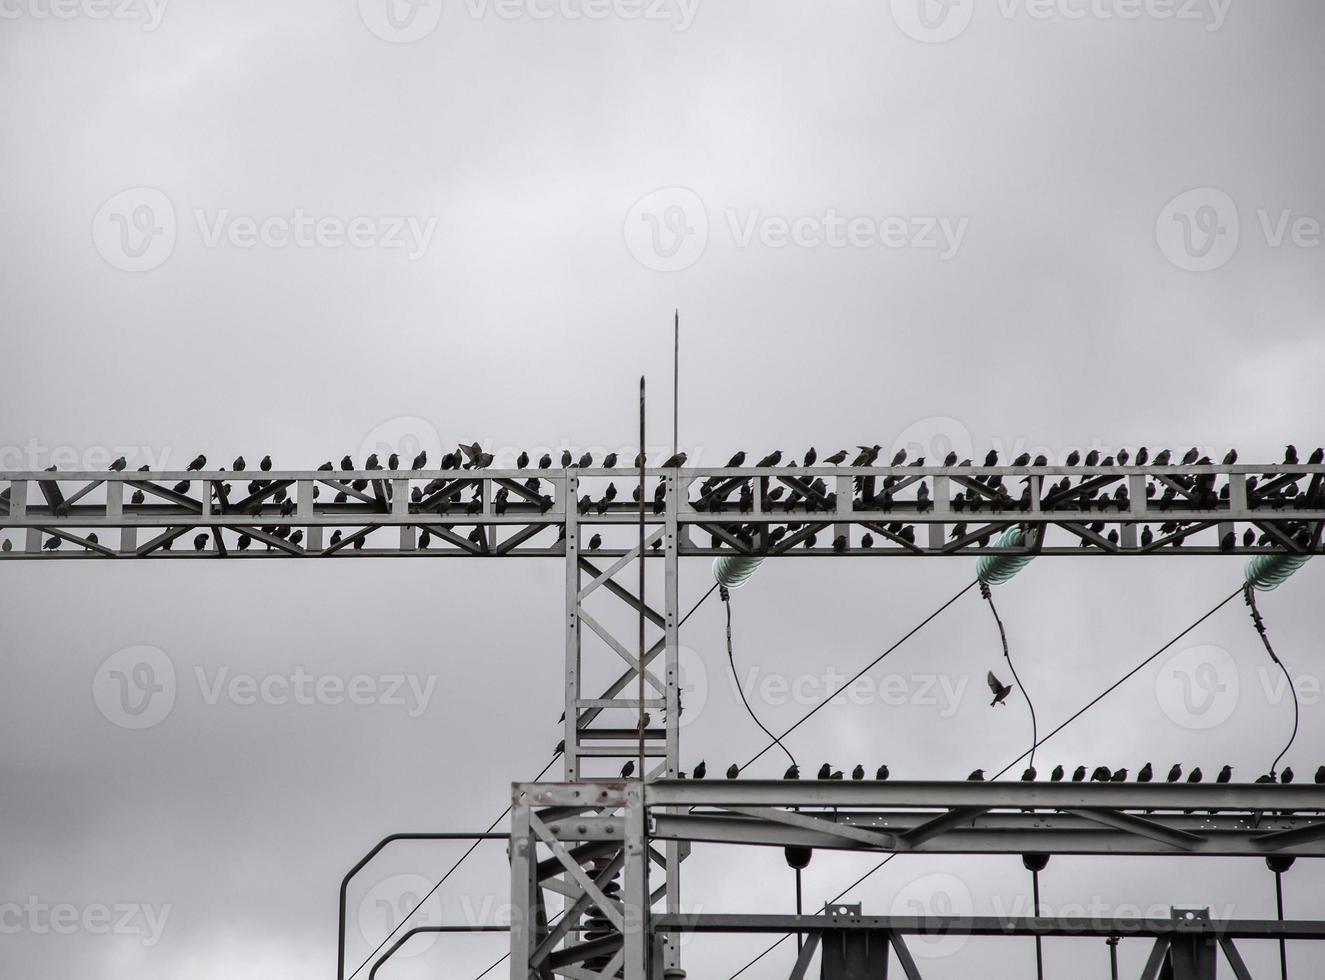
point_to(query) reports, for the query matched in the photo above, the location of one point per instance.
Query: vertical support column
(568, 495)
(524, 888)
(676, 490)
(400, 508)
(304, 511)
(635, 895)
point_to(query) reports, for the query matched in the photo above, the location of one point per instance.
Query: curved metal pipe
(345, 882)
(372, 974)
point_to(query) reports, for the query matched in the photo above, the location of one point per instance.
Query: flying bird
(999, 689)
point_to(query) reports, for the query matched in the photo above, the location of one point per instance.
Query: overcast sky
(305, 228)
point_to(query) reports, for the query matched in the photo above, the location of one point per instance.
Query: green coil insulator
(733, 570)
(996, 569)
(1267, 572)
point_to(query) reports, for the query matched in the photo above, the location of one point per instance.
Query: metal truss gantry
(575, 840)
(572, 515)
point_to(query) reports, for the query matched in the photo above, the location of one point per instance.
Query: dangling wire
(1249, 593)
(731, 659)
(1002, 633)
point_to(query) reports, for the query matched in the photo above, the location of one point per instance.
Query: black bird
(181, 487)
(1029, 775)
(545, 461)
(1057, 775)
(586, 461)
(52, 544)
(733, 771)
(772, 459)
(671, 462)
(1290, 454)
(244, 542)
(198, 463)
(999, 689)
(326, 467)
(265, 464)
(336, 537)
(420, 461)
(1119, 776)
(1286, 776)
(867, 455)
(372, 462)
(810, 457)
(701, 770)
(882, 773)
(794, 772)
(522, 460)
(595, 542)
(119, 465)
(1225, 775)
(346, 463)
(199, 542)
(840, 543)
(1320, 774)
(1146, 774)
(1175, 773)
(239, 464)
(737, 460)
(609, 461)
(824, 771)
(867, 540)
(628, 769)
(858, 773)
(138, 497)
(425, 539)
(1100, 775)
(1195, 775)
(1079, 774)
(978, 776)
(838, 458)
(566, 459)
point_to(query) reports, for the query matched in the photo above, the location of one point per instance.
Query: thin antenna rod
(642, 461)
(676, 383)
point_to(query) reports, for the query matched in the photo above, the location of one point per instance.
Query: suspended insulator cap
(733, 570)
(997, 569)
(798, 857)
(1267, 572)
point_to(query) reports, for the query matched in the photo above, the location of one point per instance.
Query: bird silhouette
(1146, 774)
(1195, 775)
(1028, 776)
(671, 462)
(838, 458)
(701, 770)
(1079, 774)
(794, 772)
(998, 688)
(628, 769)
(882, 773)
(824, 771)
(1320, 774)
(1175, 773)
(595, 542)
(1119, 776)
(198, 463)
(858, 773)
(119, 465)
(1286, 776)
(1225, 775)
(265, 464)
(733, 771)
(977, 776)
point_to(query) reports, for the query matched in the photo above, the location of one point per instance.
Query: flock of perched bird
(792, 493)
(1100, 774)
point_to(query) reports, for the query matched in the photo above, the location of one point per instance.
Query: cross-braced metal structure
(576, 840)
